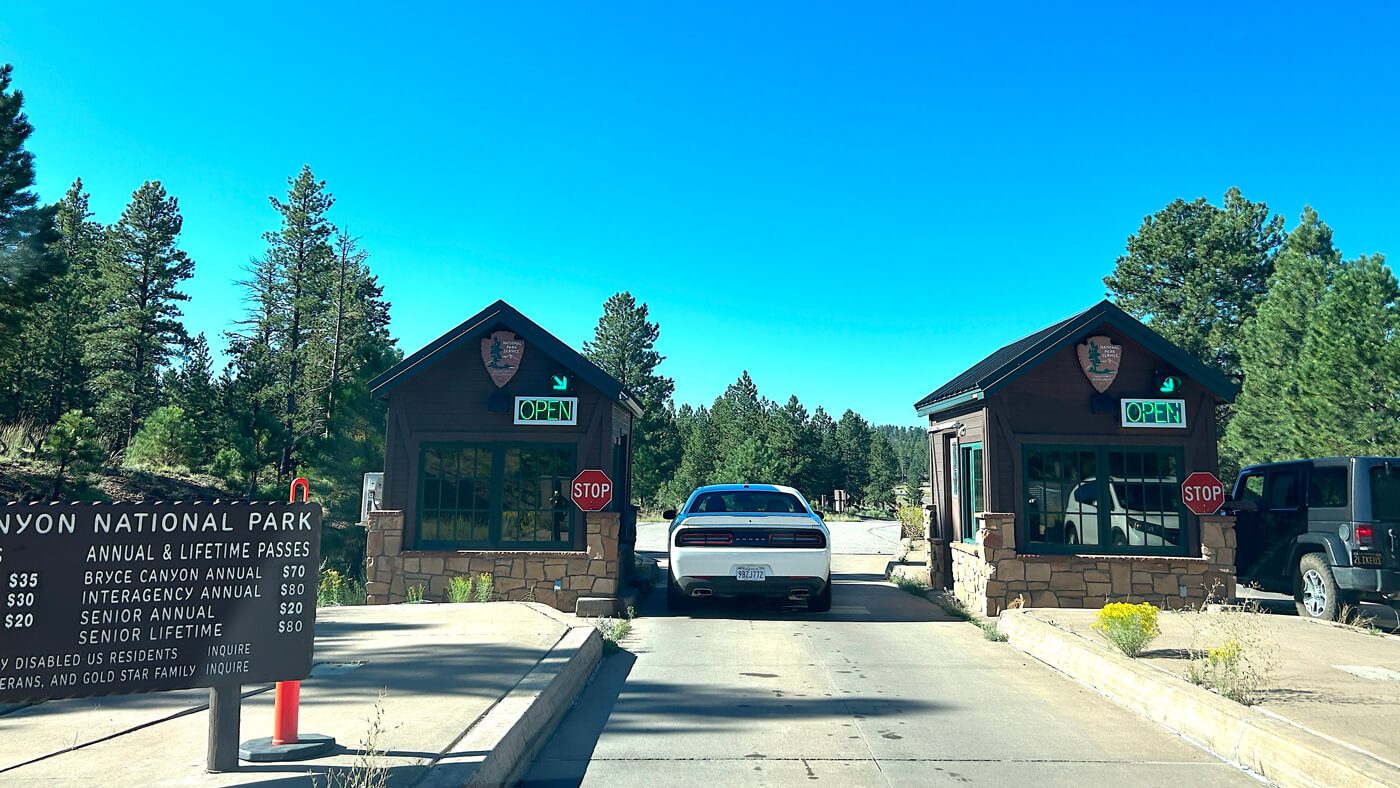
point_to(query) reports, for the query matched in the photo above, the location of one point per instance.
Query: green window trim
(974, 498)
(1188, 534)
(482, 519)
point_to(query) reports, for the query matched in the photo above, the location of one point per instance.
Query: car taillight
(697, 538)
(797, 539)
(1365, 535)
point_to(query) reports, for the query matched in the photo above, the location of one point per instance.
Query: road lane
(883, 690)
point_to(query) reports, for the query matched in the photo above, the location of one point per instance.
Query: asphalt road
(883, 690)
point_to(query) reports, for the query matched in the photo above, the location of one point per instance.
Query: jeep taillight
(1365, 535)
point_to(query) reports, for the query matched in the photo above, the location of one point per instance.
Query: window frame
(967, 511)
(1103, 480)
(496, 509)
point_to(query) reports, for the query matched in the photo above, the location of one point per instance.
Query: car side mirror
(820, 515)
(669, 514)
(1245, 505)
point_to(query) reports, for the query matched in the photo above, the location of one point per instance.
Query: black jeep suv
(1325, 530)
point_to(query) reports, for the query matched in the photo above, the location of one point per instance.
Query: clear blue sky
(853, 202)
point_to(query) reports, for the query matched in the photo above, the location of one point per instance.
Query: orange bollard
(287, 702)
(285, 706)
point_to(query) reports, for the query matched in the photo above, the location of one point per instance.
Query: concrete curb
(1266, 745)
(497, 749)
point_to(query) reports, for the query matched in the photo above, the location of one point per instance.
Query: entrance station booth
(491, 428)
(1057, 466)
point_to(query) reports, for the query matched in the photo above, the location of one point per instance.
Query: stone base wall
(989, 575)
(390, 571)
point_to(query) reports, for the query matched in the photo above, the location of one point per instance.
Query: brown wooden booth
(487, 427)
(1057, 464)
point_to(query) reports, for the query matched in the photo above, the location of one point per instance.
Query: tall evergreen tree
(698, 456)
(1195, 272)
(853, 437)
(141, 268)
(738, 420)
(193, 389)
(882, 474)
(1349, 365)
(788, 447)
(302, 262)
(1270, 411)
(624, 346)
(27, 260)
(826, 466)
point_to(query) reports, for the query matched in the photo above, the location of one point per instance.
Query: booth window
(496, 496)
(1082, 499)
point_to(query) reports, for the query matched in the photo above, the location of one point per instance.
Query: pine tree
(738, 419)
(624, 346)
(1269, 411)
(193, 390)
(825, 468)
(788, 447)
(882, 474)
(1195, 271)
(697, 465)
(1349, 366)
(27, 260)
(853, 437)
(141, 267)
(57, 332)
(72, 447)
(300, 255)
(167, 439)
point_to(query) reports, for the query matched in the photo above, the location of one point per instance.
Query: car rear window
(747, 502)
(1385, 492)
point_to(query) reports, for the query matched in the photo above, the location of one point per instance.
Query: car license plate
(1366, 559)
(749, 573)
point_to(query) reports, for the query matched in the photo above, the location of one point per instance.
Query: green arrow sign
(561, 382)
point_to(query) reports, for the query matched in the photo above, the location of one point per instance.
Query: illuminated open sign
(1167, 413)
(546, 410)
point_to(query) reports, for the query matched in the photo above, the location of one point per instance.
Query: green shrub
(614, 630)
(166, 439)
(1129, 627)
(336, 588)
(909, 584)
(415, 593)
(485, 587)
(911, 519)
(72, 447)
(460, 589)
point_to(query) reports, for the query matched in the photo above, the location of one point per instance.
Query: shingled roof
(1009, 362)
(501, 313)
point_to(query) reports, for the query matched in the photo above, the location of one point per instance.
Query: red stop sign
(591, 490)
(1203, 493)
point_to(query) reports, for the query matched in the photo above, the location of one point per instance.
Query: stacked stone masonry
(989, 575)
(391, 571)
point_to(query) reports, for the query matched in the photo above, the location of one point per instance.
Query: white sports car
(748, 540)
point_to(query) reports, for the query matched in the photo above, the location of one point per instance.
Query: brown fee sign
(501, 353)
(108, 598)
(1099, 358)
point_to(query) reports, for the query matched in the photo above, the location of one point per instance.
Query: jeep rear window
(1385, 492)
(747, 502)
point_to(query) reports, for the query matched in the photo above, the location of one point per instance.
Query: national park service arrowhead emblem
(1099, 358)
(501, 353)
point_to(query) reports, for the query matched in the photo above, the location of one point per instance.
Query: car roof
(1326, 461)
(748, 487)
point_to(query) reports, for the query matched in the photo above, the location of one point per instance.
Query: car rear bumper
(725, 562)
(1376, 581)
(780, 587)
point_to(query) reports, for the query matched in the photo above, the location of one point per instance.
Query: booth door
(972, 488)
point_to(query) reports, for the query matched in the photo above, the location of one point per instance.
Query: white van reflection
(1144, 512)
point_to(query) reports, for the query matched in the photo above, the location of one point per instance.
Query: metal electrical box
(371, 495)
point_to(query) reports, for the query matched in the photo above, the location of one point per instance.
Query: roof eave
(949, 403)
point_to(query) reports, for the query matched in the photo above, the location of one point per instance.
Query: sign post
(1203, 493)
(145, 597)
(591, 490)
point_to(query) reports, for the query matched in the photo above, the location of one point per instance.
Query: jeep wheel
(1315, 590)
(1071, 535)
(1119, 538)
